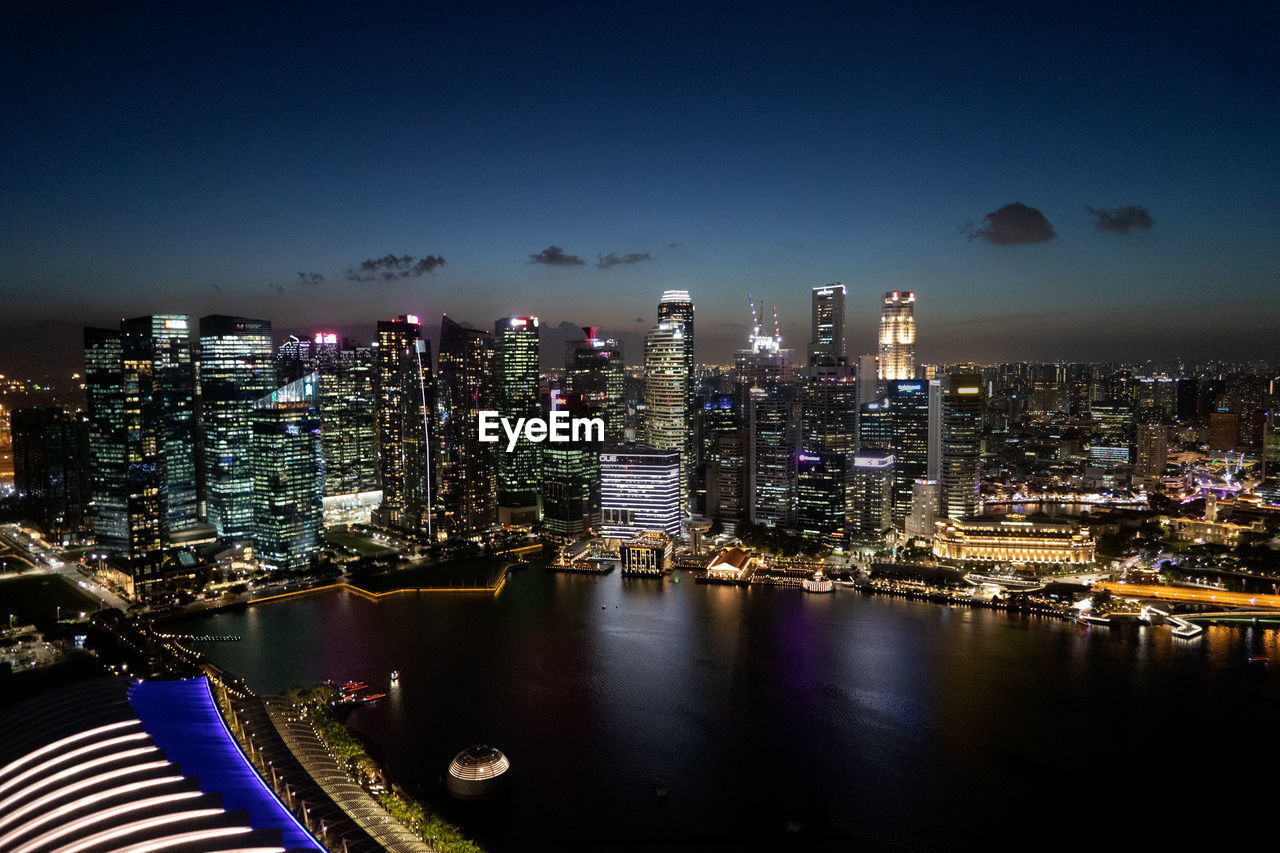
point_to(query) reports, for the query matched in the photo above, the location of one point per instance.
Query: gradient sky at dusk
(159, 158)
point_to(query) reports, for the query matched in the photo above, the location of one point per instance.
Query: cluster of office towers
(255, 441)
(833, 449)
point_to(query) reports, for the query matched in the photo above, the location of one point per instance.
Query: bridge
(1261, 602)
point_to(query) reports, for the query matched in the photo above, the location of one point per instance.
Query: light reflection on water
(861, 721)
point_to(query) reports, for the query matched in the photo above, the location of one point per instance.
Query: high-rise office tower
(517, 368)
(639, 491)
(467, 484)
(870, 501)
(868, 383)
(594, 375)
(50, 470)
(1152, 451)
(926, 496)
(765, 375)
(347, 405)
(935, 430)
(898, 336)
(111, 505)
(157, 356)
(827, 345)
(962, 410)
(722, 455)
(908, 401)
(829, 408)
(237, 367)
(287, 484)
(570, 479)
(404, 395)
(821, 496)
(668, 369)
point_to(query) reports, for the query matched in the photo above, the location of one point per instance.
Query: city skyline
(1056, 202)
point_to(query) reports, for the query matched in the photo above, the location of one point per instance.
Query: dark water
(781, 720)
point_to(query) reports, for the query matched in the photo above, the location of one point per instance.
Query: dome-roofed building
(477, 772)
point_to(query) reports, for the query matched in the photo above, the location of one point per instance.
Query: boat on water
(818, 583)
(395, 676)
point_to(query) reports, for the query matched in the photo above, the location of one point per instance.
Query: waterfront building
(113, 509)
(961, 439)
(570, 490)
(594, 373)
(639, 491)
(51, 470)
(468, 490)
(731, 564)
(237, 367)
(404, 394)
(870, 500)
(821, 498)
(287, 483)
(827, 343)
(1012, 539)
(898, 336)
(899, 423)
(517, 371)
(647, 554)
(668, 383)
(721, 444)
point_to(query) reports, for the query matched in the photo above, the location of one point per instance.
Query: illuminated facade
(519, 472)
(639, 491)
(50, 469)
(668, 382)
(237, 367)
(765, 374)
(404, 394)
(468, 487)
(899, 423)
(820, 496)
(287, 486)
(961, 440)
(1012, 539)
(647, 554)
(594, 375)
(827, 345)
(348, 438)
(898, 336)
(870, 499)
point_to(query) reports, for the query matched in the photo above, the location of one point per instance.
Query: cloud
(1121, 220)
(554, 256)
(1013, 224)
(217, 288)
(675, 245)
(310, 279)
(604, 262)
(392, 267)
(278, 288)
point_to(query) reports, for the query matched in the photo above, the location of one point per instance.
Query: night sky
(1055, 180)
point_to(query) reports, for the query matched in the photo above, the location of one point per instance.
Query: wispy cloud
(392, 267)
(310, 279)
(604, 262)
(554, 256)
(1121, 220)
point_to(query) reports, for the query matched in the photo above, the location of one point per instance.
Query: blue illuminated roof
(182, 720)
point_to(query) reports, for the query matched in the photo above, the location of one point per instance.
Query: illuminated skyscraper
(899, 423)
(898, 336)
(962, 410)
(519, 472)
(348, 438)
(237, 367)
(827, 345)
(50, 470)
(594, 375)
(639, 491)
(820, 496)
(112, 505)
(405, 398)
(287, 519)
(570, 480)
(668, 369)
(871, 493)
(766, 376)
(468, 487)
(1151, 452)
